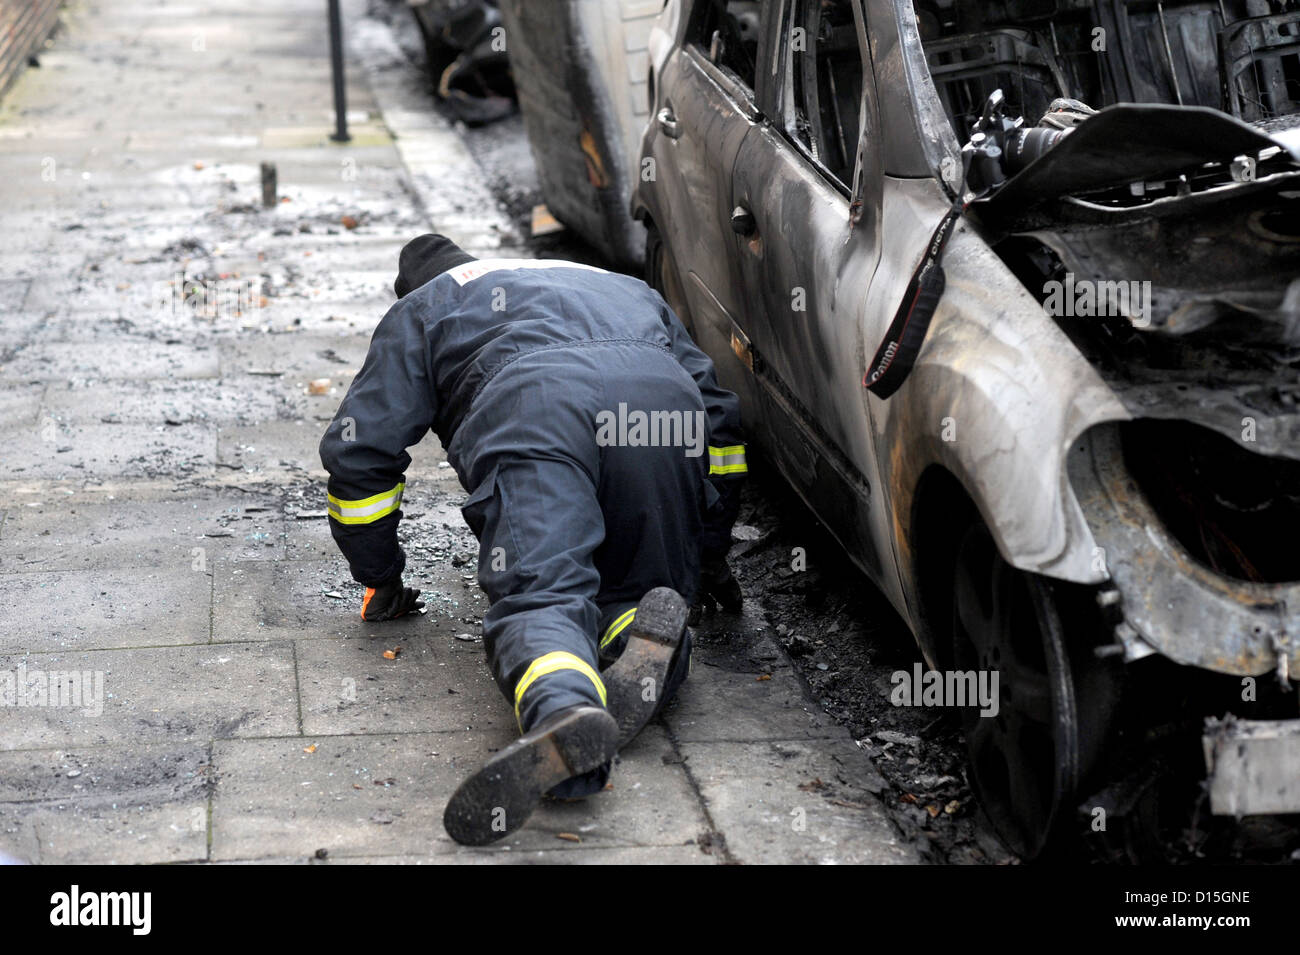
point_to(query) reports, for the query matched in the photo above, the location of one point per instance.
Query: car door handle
(742, 222)
(668, 123)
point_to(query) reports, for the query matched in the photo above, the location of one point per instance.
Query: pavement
(170, 353)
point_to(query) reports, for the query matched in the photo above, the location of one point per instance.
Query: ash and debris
(845, 641)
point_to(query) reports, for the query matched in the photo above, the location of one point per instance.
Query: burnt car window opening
(826, 76)
(1239, 56)
(727, 32)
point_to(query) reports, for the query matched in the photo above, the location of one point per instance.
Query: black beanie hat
(425, 258)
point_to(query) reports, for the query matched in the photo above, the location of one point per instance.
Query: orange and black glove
(389, 601)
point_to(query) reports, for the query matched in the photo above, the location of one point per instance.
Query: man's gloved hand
(1065, 113)
(389, 601)
(717, 587)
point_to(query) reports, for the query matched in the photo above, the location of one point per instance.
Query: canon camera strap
(897, 353)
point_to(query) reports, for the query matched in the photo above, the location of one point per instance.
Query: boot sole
(653, 638)
(498, 799)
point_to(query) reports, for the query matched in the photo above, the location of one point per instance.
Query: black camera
(1000, 146)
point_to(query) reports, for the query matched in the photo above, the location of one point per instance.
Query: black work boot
(502, 794)
(652, 664)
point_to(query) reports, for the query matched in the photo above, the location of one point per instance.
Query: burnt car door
(805, 215)
(705, 106)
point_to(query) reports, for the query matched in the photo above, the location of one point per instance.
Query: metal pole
(340, 134)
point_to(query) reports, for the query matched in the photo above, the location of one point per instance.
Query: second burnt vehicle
(1090, 481)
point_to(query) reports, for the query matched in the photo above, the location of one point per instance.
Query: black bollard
(340, 134)
(269, 188)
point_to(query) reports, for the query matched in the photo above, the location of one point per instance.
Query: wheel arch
(941, 509)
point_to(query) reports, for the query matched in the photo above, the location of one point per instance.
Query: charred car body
(1090, 481)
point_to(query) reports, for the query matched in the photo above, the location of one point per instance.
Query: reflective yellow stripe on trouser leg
(728, 460)
(617, 627)
(552, 663)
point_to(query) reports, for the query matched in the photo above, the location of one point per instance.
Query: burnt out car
(1090, 480)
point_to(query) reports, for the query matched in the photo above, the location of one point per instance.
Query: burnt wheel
(1024, 762)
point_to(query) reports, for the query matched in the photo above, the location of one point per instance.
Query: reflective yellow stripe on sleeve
(551, 663)
(617, 627)
(367, 510)
(728, 460)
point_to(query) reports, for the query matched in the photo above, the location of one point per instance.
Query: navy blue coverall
(599, 453)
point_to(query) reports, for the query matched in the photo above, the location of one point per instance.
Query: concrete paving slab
(272, 445)
(385, 794)
(296, 357)
(91, 609)
(348, 687)
(190, 534)
(99, 451)
(143, 314)
(181, 693)
(291, 315)
(796, 801)
(308, 537)
(723, 705)
(289, 600)
(109, 360)
(13, 291)
(20, 405)
(122, 805)
(19, 327)
(372, 247)
(317, 314)
(237, 400)
(111, 322)
(31, 252)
